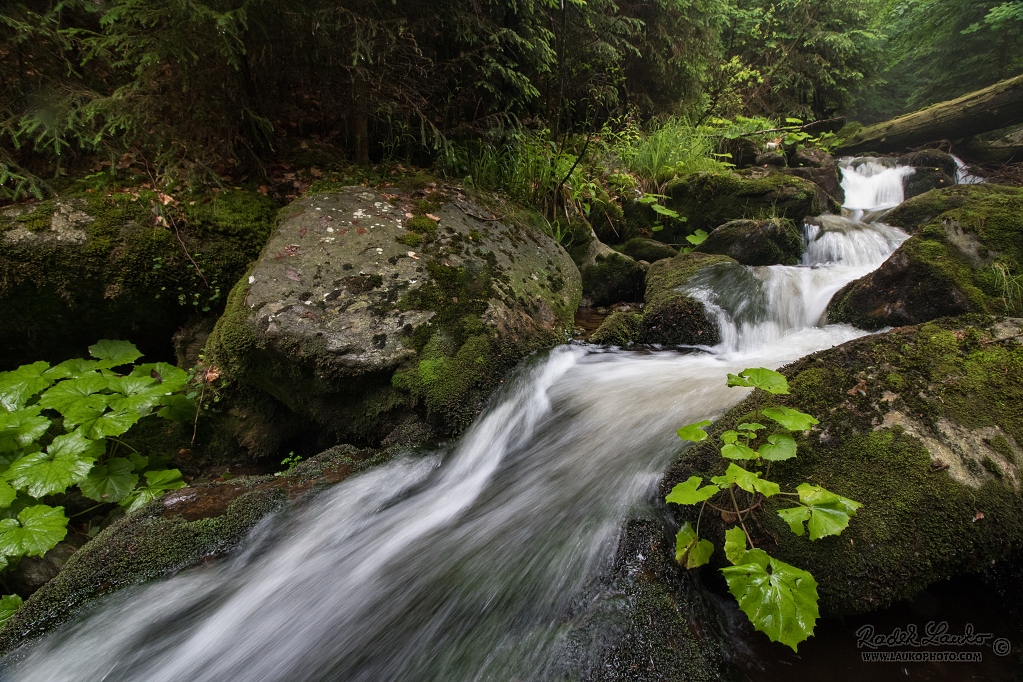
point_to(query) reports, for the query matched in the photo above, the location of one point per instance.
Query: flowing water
(459, 564)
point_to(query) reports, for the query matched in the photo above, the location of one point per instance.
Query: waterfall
(460, 563)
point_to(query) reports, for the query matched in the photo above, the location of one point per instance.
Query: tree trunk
(979, 112)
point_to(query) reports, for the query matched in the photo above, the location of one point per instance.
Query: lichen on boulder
(368, 308)
(923, 426)
(966, 250)
(103, 265)
(774, 241)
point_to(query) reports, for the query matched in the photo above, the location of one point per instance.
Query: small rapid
(460, 563)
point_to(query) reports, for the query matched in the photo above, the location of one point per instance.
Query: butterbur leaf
(738, 451)
(795, 517)
(780, 600)
(35, 532)
(9, 605)
(7, 494)
(177, 408)
(793, 420)
(110, 483)
(828, 513)
(21, 427)
(750, 426)
(114, 353)
(78, 399)
(690, 550)
(138, 462)
(747, 480)
(110, 424)
(690, 492)
(697, 237)
(764, 379)
(66, 462)
(71, 369)
(170, 379)
(157, 483)
(694, 432)
(18, 385)
(735, 544)
(778, 447)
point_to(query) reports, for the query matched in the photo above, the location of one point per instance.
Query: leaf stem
(731, 491)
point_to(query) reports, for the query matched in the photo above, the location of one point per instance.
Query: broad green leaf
(729, 437)
(36, 531)
(690, 550)
(110, 483)
(735, 544)
(169, 377)
(828, 513)
(778, 447)
(793, 420)
(690, 492)
(109, 424)
(694, 432)
(66, 462)
(136, 393)
(9, 605)
(18, 385)
(72, 369)
(795, 517)
(738, 451)
(114, 353)
(178, 408)
(138, 462)
(78, 399)
(780, 600)
(7, 494)
(157, 483)
(750, 426)
(747, 480)
(21, 427)
(758, 377)
(697, 237)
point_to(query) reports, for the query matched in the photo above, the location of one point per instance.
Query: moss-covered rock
(818, 167)
(931, 158)
(645, 619)
(650, 250)
(354, 331)
(89, 266)
(179, 530)
(775, 241)
(613, 278)
(707, 200)
(924, 180)
(672, 317)
(620, 328)
(923, 426)
(966, 250)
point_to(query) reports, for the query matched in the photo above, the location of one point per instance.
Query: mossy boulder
(671, 316)
(368, 308)
(620, 328)
(923, 426)
(613, 278)
(966, 250)
(108, 265)
(931, 158)
(650, 250)
(818, 167)
(776, 241)
(172, 533)
(707, 200)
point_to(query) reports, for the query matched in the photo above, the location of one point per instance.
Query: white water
(461, 564)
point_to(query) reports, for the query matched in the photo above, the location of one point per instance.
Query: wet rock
(88, 266)
(179, 530)
(924, 180)
(707, 200)
(33, 572)
(672, 317)
(967, 244)
(613, 278)
(369, 306)
(934, 159)
(620, 328)
(770, 159)
(820, 168)
(648, 250)
(923, 426)
(756, 242)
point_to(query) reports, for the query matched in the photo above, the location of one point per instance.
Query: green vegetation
(778, 598)
(62, 427)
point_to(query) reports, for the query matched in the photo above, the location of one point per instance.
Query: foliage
(780, 600)
(61, 426)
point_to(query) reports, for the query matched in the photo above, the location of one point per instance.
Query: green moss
(649, 250)
(410, 239)
(612, 279)
(423, 226)
(757, 242)
(39, 218)
(619, 329)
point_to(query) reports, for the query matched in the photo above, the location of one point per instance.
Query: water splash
(871, 183)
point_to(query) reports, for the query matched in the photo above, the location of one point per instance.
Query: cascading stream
(460, 564)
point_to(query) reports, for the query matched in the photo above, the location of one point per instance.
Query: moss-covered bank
(112, 265)
(922, 425)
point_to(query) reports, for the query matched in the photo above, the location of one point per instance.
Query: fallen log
(994, 107)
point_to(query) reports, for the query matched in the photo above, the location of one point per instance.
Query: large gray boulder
(372, 313)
